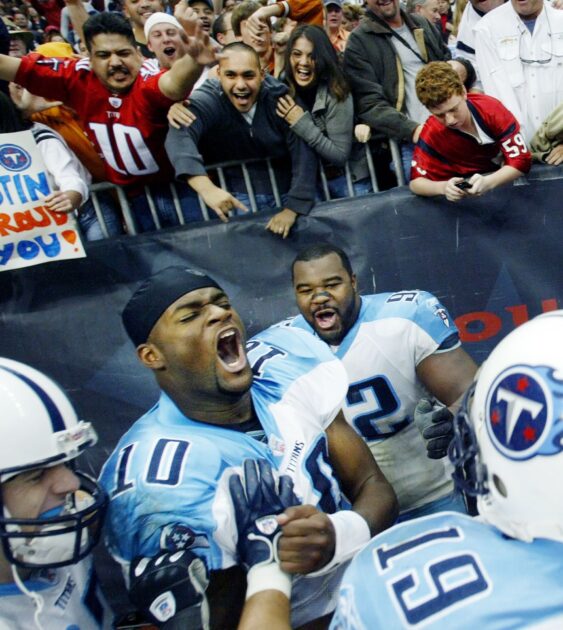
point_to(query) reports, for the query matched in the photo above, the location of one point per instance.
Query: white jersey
(168, 477)
(452, 572)
(394, 332)
(71, 600)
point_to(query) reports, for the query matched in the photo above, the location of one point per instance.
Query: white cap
(161, 18)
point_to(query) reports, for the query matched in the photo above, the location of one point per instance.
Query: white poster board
(30, 233)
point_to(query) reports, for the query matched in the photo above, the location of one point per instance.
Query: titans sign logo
(525, 412)
(14, 158)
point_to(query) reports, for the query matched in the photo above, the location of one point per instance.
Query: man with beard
(396, 348)
(168, 476)
(235, 119)
(124, 113)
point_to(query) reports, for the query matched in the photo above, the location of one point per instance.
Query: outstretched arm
(78, 15)
(257, 498)
(9, 67)
(180, 79)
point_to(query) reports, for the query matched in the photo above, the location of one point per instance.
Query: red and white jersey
(128, 129)
(442, 152)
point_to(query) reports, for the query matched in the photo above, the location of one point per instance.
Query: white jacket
(530, 90)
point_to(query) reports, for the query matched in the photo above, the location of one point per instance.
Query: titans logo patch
(525, 412)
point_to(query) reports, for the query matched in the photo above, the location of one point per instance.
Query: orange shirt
(63, 120)
(304, 11)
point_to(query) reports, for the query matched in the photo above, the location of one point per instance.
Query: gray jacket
(374, 70)
(329, 130)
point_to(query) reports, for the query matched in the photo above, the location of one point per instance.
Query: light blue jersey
(394, 332)
(449, 571)
(167, 478)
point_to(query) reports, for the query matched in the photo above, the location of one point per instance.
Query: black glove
(257, 498)
(171, 586)
(435, 423)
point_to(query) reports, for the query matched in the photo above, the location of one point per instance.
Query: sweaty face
(167, 42)
(201, 340)
(115, 61)
(302, 62)
(326, 296)
(454, 112)
(241, 78)
(385, 9)
(204, 14)
(139, 11)
(528, 8)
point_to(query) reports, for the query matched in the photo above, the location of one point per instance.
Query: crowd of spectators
(345, 75)
(150, 97)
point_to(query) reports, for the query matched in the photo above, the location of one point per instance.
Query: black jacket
(220, 134)
(374, 70)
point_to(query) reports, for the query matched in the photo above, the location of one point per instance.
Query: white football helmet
(508, 444)
(39, 429)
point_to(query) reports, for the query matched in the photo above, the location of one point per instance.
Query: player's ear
(150, 356)
(354, 282)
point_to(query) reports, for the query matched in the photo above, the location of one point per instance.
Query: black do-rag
(155, 295)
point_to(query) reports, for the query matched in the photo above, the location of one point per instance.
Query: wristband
(265, 577)
(351, 533)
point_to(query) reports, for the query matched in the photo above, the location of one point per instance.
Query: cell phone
(464, 185)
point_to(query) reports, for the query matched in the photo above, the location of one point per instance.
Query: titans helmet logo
(525, 412)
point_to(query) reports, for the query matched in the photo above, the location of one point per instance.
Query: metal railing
(130, 223)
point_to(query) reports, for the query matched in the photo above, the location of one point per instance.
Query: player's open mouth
(170, 51)
(325, 318)
(230, 350)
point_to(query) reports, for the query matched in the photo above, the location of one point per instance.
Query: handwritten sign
(30, 233)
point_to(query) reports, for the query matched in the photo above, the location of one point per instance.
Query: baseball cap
(209, 3)
(161, 18)
(155, 295)
(337, 3)
(51, 29)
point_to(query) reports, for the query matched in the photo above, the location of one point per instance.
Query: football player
(276, 400)
(503, 569)
(50, 513)
(396, 348)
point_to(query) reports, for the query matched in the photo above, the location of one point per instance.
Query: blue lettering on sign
(14, 188)
(14, 158)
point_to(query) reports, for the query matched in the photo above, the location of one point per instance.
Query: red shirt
(128, 129)
(442, 152)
